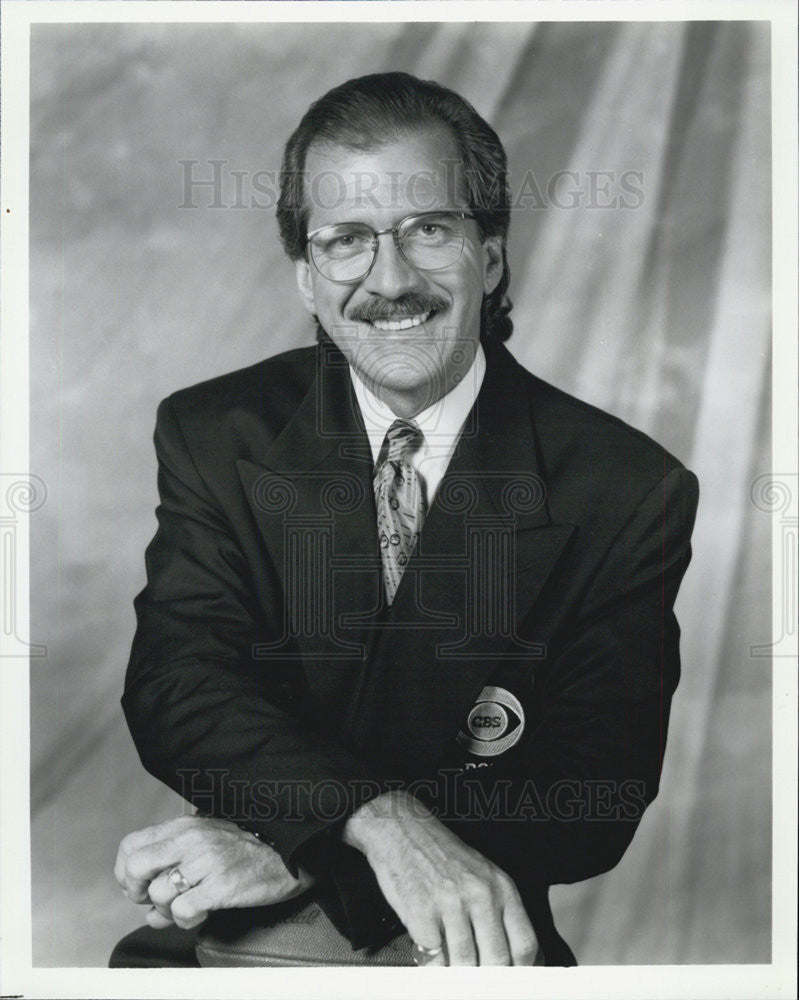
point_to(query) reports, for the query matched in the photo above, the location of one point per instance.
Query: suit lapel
(311, 497)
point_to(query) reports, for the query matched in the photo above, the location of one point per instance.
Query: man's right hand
(224, 867)
(446, 894)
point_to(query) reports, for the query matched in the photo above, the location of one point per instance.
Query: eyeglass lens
(345, 252)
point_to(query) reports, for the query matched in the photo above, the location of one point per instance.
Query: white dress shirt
(440, 423)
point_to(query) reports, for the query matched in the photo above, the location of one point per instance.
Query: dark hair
(371, 110)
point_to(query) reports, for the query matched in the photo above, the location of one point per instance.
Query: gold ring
(178, 879)
(422, 955)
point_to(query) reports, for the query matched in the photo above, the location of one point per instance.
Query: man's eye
(435, 232)
(342, 243)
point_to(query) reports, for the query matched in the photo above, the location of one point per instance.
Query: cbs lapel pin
(490, 728)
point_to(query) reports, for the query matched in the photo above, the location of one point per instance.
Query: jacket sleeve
(566, 806)
(210, 721)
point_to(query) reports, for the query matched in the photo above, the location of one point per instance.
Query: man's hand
(447, 894)
(224, 866)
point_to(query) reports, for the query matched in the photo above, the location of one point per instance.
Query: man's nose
(391, 275)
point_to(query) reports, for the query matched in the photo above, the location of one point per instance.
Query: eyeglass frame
(394, 230)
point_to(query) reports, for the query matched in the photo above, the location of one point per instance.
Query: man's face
(409, 368)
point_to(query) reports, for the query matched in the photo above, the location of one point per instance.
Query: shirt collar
(440, 423)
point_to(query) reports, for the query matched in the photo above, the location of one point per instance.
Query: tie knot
(403, 436)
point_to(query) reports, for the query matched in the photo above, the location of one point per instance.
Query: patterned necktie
(400, 501)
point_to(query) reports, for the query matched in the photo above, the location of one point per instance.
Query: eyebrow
(464, 213)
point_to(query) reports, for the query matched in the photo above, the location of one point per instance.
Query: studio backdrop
(640, 258)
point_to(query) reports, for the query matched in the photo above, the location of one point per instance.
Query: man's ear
(492, 263)
(302, 271)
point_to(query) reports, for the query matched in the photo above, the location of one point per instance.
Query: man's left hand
(222, 865)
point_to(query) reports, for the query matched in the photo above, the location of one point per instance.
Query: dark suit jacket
(269, 683)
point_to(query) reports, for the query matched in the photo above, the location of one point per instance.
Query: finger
(119, 866)
(157, 919)
(162, 890)
(493, 947)
(127, 846)
(429, 954)
(165, 912)
(426, 932)
(439, 959)
(150, 835)
(146, 863)
(164, 893)
(135, 841)
(520, 934)
(191, 908)
(459, 939)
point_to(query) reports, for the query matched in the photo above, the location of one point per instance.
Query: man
(407, 637)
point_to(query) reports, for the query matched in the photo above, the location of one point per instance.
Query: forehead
(416, 172)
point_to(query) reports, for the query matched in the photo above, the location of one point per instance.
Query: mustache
(410, 304)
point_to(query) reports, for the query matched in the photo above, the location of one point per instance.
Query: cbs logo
(494, 724)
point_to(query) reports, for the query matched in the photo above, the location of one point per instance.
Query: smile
(401, 324)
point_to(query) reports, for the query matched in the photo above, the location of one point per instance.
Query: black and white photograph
(399, 532)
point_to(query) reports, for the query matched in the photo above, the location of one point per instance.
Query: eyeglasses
(429, 241)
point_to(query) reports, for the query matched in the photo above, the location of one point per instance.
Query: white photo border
(17, 976)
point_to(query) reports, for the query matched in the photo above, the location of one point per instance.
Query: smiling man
(403, 306)
(407, 638)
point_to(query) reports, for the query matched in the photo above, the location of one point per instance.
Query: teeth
(401, 324)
